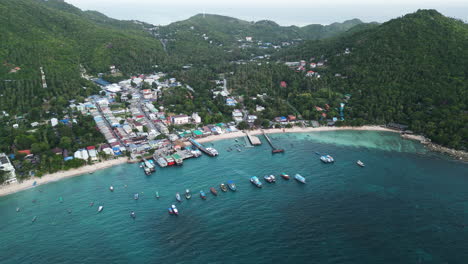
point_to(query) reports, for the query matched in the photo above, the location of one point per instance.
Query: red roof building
(26, 152)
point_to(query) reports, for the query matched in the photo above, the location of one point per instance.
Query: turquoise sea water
(405, 206)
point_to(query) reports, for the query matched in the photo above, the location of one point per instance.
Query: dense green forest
(61, 38)
(411, 70)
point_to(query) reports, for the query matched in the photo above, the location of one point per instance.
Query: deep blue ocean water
(406, 206)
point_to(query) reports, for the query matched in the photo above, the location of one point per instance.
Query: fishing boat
(223, 187)
(232, 186)
(136, 196)
(174, 209)
(327, 159)
(132, 215)
(177, 196)
(255, 181)
(285, 176)
(188, 195)
(214, 191)
(157, 195)
(91, 204)
(203, 195)
(61, 199)
(100, 208)
(299, 178)
(34, 219)
(360, 163)
(17, 209)
(111, 188)
(239, 150)
(170, 210)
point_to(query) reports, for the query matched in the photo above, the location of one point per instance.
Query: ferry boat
(232, 186)
(203, 195)
(327, 159)
(100, 208)
(269, 178)
(175, 210)
(360, 163)
(223, 187)
(285, 176)
(136, 196)
(170, 161)
(188, 195)
(212, 151)
(255, 181)
(177, 196)
(111, 188)
(161, 162)
(299, 178)
(214, 191)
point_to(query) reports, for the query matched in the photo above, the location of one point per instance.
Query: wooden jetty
(274, 149)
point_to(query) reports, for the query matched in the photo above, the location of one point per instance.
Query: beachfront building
(180, 119)
(5, 165)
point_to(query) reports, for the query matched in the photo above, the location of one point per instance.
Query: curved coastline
(48, 178)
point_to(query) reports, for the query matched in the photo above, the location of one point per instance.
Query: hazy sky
(286, 12)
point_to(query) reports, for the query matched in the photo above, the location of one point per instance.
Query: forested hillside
(411, 70)
(60, 38)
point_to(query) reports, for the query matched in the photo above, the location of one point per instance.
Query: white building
(81, 154)
(5, 165)
(237, 115)
(180, 119)
(248, 39)
(196, 118)
(54, 122)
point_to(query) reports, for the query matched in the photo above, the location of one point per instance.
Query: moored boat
(157, 195)
(133, 215)
(188, 195)
(170, 161)
(100, 208)
(327, 159)
(299, 178)
(213, 152)
(223, 187)
(111, 188)
(177, 196)
(175, 210)
(136, 196)
(360, 163)
(255, 181)
(34, 219)
(285, 176)
(170, 210)
(232, 186)
(161, 162)
(214, 191)
(269, 178)
(203, 195)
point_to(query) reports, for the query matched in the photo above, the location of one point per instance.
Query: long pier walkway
(274, 149)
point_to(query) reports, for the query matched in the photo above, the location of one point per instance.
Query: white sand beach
(27, 184)
(290, 130)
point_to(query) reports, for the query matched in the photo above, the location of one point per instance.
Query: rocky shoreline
(456, 154)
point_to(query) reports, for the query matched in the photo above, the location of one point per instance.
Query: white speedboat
(111, 188)
(174, 210)
(360, 163)
(100, 208)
